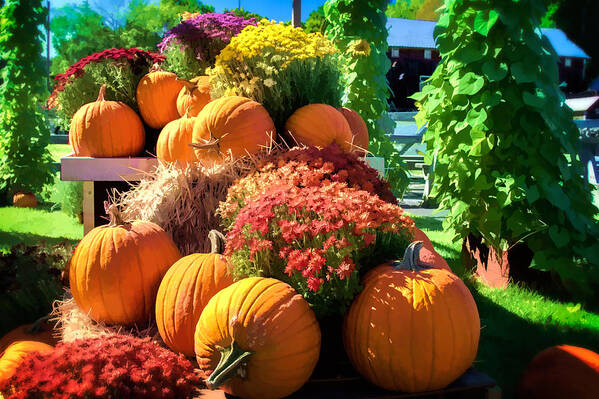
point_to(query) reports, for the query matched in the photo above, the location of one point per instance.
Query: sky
(279, 10)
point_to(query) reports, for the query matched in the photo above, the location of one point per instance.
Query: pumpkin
(257, 338)
(319, 125)
(106, 129)
(194, 96)
(39, 331)
(173, 142)
(184, 292)
(358, 128)
(116, 269)
(15, 353)
(562, 371)
(24, 200)
(411, 329)
(157, 94)
(231, 126)
(428, 254)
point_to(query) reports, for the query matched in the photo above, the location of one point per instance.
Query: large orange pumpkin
(24, 200)
(257, 338)
(116, 270)
(157, 94)
(358, 128)
(428, 254)
(38, 331)
(106, 129)
(173, 145)
(184, 292)
(194, 95)
(319, 125)
(231, 126)
(15, 353)
(411, 329)
(562, 371)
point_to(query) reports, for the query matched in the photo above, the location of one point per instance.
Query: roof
(415, 33)
(581, 104)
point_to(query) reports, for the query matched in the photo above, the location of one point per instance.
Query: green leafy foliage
(507, 166)
(415, 9)
(316, 21)
(359, 31)
(25, 162)
(30, 282)
(69, 195)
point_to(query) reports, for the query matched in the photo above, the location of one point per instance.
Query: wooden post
(296, 13)
(88, 206)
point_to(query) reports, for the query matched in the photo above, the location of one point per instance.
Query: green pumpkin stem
(232, 364)
(411, 259)
(217, 242)
(102, 93)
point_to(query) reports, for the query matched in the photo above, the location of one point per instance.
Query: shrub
(317, 239)
(25, 162)
(507, 164)
(69, 195)
(281, 67)
(114, 366)
(30, 282)
(303, 167)
(193, 45)
(119, 69)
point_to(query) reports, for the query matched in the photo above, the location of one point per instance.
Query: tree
(359, 31)
(403, 9)
(25, 162)
(507, 167)
(316, 21)
(428, 10)
(240, 12)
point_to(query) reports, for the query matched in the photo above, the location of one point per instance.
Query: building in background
(414, 57)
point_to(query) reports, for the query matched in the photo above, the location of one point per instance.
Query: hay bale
(183, 201)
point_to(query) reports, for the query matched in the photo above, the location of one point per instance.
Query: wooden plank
(88, 206)
(105, 169)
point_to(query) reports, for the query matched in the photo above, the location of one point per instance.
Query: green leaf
(560, 237)
(494, 71)
(484, 21)
(524, 72)
(532, 194)
(534, 100)
(470, 84)
(476, 118)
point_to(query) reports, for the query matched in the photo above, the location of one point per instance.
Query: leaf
(534, 100)
(557, 196)
(523, 72)
(476, 118)
(484, 21)
(560, 237)
(532, 194)
(469, 84)
(493, 71)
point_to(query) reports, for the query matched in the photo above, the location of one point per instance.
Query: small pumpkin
(257, 338)
(411, 329)
(24, 200)
(116, 269)
(184, 292)
(106, 129)
(15, 353)
(562, 371)
(231, 127)
(319, 125)
(194, 95)
(157, 94)
(428, 254)
(39, 331)
(173, 142)
(358, 128)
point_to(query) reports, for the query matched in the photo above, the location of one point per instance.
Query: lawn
(516, 323)
(59, 150)
(33, 226)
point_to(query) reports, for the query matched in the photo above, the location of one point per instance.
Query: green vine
(507, 166)
(358, 29)
(25, 162)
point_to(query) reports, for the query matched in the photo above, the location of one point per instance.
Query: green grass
(516, 323)
(33, 226)
(59, 150)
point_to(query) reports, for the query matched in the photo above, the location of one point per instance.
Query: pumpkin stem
(155, 68)
(411, 259)
(189, 86)
(102, 93)
(116, 218)
(217, 242)
(213, 145)
(232, 364)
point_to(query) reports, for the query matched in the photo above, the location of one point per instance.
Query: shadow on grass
(8, 239)
(505, 358)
